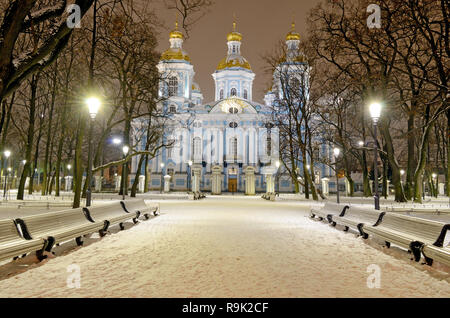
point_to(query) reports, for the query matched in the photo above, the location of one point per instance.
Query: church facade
(227, 145)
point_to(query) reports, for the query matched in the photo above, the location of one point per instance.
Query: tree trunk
(30, 140)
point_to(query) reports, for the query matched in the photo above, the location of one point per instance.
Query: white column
(118, 182)
(186, 144)
(240, 140)
(167, 183)
(441, 187)
(325, 188)
(208, 147)
(221, 146)
(256, 151)
(141, 184)
(251, 147)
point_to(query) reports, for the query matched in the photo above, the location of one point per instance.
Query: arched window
(233, 92)
(221, 94)
(233, 110)
(245, 94)
(233, 147)
(172, 109)
(269, 145)
(295, 84)
(197, 147)
(173, 86)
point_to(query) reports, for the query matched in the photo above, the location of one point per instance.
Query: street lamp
(162, 167)
(435, 184)
(117, 141)
(336, 152)
(361, 143)
(125, 151)
(93, 104)
(7, 154)
(375, 113)
(190, 163)
(277, 164)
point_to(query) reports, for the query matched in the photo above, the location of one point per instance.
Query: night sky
(261, 22)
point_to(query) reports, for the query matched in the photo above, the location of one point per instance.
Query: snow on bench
(134, 206)
(436, 253)
(109, 215)
(58, 227)
(12, 244)
(328, 211)
(356, 217)
(408, 232)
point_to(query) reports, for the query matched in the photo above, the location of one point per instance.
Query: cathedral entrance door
(232, 185)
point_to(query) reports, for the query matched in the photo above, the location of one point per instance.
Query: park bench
(355, 218)
(328, 211)
(109, 215)
(198, 195)
(12, 244)
(58, 227)
(408, 232)
(269, 196)
(436, 253)
(139, 206)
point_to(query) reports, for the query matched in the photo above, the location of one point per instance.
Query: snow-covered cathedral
(228, 145)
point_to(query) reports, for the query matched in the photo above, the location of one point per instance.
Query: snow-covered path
(229, 247)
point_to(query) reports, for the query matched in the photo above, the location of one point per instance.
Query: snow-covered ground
(227, 247)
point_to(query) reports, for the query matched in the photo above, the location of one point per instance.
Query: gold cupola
(175, 52)
(234, 59)
(234, 36)
(293, 35)
(176, 34)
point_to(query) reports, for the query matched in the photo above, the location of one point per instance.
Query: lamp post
(336, 152)
(7, 154)
(162, 174)
(93, 104)
(402, 172)
(375, 113)
(435, 184)
(277, 179)
(189, 175)
(125, 151)
(69, 167)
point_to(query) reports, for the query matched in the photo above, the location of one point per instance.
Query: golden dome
(175, 34)
(175, 54)
(293, 36)
(233, 62)
(234, 36)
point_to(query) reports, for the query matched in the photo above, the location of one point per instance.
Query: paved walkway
(235, 247)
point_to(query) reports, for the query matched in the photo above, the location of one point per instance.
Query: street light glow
(361, 143)
(277, 164)
(162, 165)
(125, 150)
(190, 163)
(69, 167)
(434, 175)
(117, 141)
(402, 172)
(94, 105)
(24, 162)
(375, 111)
(7, 153)
(336, 152)
(308, 167)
